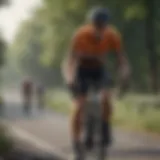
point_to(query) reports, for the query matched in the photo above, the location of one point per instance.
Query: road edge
(39, 144)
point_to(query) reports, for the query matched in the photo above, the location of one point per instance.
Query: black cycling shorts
(98, 78)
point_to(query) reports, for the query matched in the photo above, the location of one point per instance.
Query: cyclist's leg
(106, 102)
(106, 116)
(27, 102)
(106, 99)
(79, 103)
(79, 91)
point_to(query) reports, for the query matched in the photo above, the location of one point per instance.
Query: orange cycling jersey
(85, 43)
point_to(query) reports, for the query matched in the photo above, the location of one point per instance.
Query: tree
(150, 39)
(2, 51)
(52, 26)
(2, 41)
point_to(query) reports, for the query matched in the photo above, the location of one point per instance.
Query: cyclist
(27, 93)
(85, 66)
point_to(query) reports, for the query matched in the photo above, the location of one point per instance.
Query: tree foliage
(42, 41)
(2, 51)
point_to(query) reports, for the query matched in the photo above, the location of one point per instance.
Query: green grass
(139, 112)
(59, 101)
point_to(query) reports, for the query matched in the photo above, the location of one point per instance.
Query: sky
(11, 16)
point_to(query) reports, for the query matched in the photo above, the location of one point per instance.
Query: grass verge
(59, 101)
(139, 112)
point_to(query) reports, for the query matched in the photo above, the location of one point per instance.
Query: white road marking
(37, 142)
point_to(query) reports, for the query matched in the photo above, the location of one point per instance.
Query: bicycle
(92, 123)
(92, 120)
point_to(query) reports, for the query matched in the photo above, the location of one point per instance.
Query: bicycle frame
(93, 115)
(93, 104)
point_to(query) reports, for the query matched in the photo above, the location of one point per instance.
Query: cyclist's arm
(70, 60)
(70, 57)
(117, 46)
(122, 61)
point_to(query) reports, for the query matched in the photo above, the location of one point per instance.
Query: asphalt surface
(53, 129)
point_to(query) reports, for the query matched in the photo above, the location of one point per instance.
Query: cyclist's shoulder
(83, 30)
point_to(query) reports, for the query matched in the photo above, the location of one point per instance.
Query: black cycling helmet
(99, 16)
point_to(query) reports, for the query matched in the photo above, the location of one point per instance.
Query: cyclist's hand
(124, 80)
(69, 75)
(69, 78)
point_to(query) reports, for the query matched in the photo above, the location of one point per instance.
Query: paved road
(52, 128)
